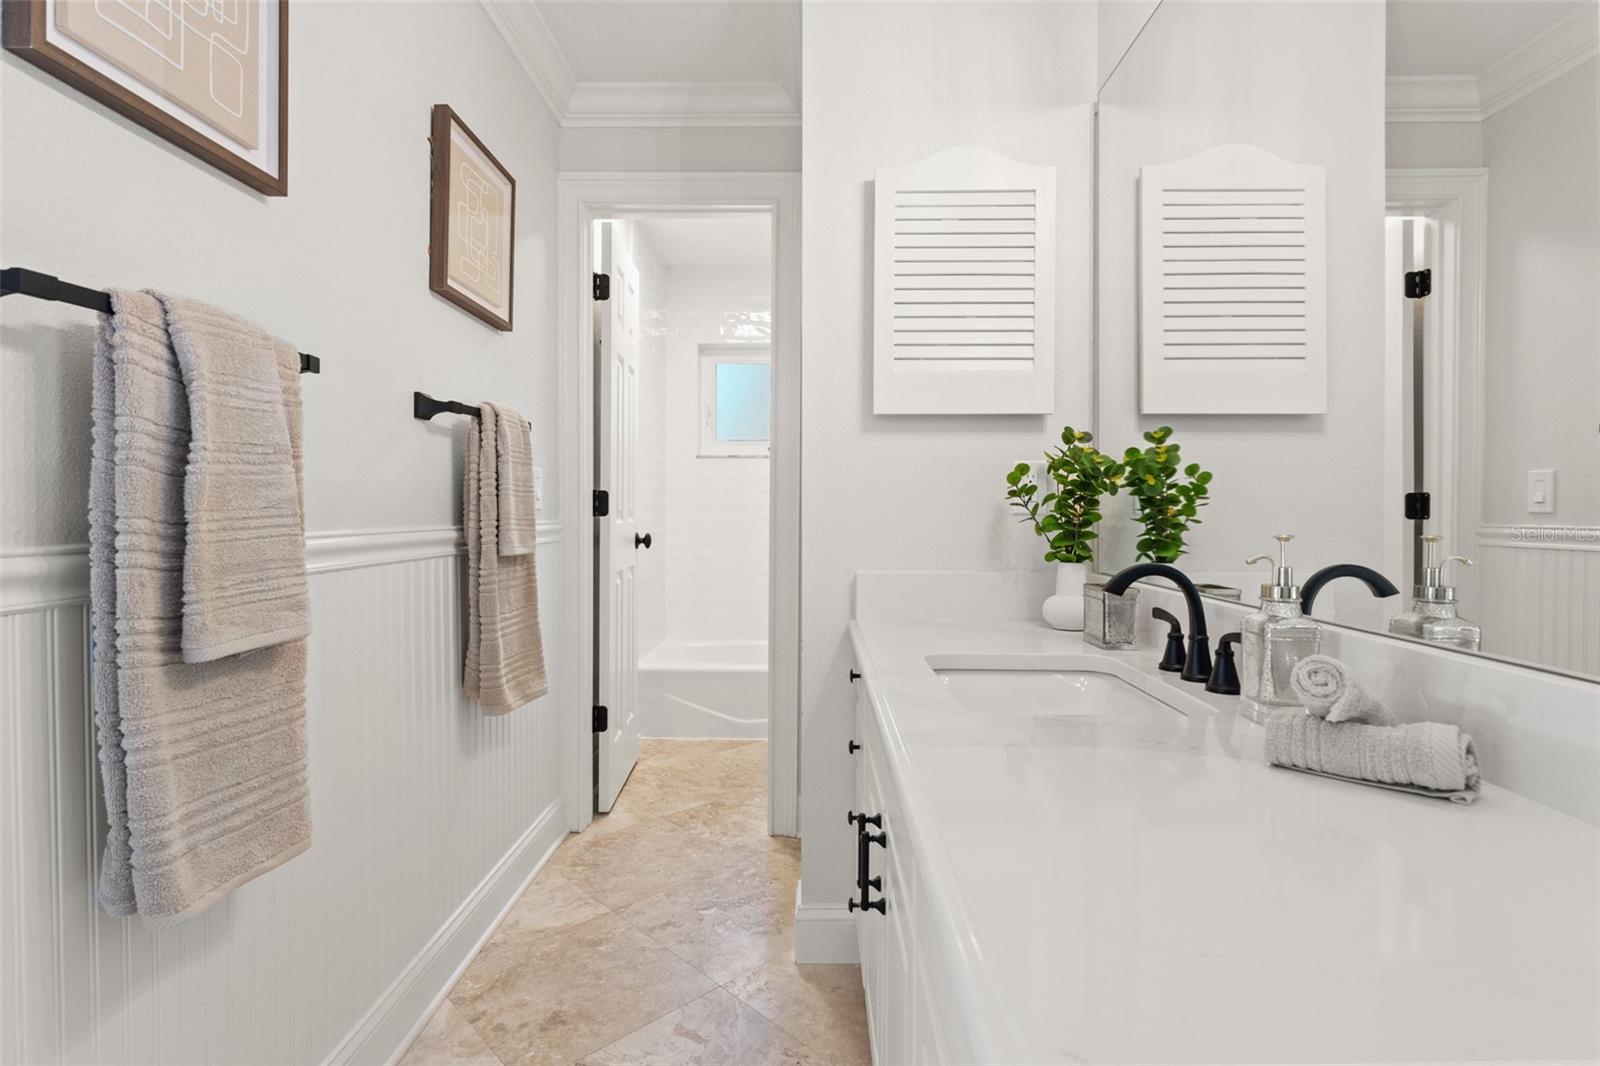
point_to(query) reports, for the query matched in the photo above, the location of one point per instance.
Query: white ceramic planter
(1064, 610)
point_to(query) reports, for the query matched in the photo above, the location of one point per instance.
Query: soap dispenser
(1275, 638)
(1433, 614)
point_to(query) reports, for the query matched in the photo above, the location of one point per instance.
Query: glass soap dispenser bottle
(1275, 638)
(1433, 614)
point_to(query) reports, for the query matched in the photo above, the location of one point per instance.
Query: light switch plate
(538, 488)
(1541, 491)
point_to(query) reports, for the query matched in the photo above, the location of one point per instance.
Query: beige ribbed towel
(203, 764)
(505, 656)
(244, 563)
(1425, 758)
(514, 474)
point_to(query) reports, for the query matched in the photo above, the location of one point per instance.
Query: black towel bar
(425, 407)
(23, 282)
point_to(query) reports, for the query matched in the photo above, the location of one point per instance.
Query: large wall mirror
(1412, 330)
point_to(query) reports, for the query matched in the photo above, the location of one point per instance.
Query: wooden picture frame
(29, 31)
(472, 222)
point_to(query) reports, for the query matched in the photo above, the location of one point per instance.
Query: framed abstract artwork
(212, 78)
(471, 222)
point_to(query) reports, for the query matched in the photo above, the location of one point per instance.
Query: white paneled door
(619, 538)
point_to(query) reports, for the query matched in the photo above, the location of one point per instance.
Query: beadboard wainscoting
(1536, 589)
(427, 817)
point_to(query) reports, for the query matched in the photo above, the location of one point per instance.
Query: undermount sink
(1053, 694)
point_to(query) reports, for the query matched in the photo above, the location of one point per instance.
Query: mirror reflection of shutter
(1233, 285)
(964, 286)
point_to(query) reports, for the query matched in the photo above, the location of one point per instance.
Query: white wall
(887, 84)
(689, 149)
(1542, 356)
(339, 951)
(1119, 23)
(1304, 81)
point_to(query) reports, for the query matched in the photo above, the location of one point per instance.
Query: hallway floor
(664, 934)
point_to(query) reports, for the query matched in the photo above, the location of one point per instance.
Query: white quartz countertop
(1154, 892)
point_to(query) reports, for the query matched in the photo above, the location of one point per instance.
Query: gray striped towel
(1425, 758)
(203, 763)
(504, 666)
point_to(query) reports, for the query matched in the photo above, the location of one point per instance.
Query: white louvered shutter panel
(964, 286)
(1233, 285)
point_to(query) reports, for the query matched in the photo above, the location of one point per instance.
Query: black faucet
(1197, 664)
(1379, 585)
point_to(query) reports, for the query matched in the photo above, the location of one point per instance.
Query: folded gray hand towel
(518, 532)
(203, 763)
(1425, 758)
(244, 548)
(1327, 689)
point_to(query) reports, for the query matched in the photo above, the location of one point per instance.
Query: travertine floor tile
(550, 902)
(641, 860)
(714, 1030)
(614, 951)
(557, 996)
(821, 1005)
(448, 1040)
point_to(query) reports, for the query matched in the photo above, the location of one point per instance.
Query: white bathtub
(704, 689)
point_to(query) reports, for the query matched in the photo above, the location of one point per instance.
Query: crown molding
(531, 41)
(623, 103)
(1431, 98)
(677, 103)
(1540, 61)
(1465, 98)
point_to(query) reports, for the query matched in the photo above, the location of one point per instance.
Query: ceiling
(741, 242)
(1432, 37)
(659, 62)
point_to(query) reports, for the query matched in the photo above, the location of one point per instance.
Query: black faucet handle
(1172, 659)
(1224, 679)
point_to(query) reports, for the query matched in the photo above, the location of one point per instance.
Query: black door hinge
(602, 286)
(602, 503)
(1419, 283)
(1417, 506)
(601, 719)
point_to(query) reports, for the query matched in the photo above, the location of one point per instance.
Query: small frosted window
(736, 401)
(744, 401)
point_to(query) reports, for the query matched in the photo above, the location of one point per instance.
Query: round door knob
(641, 542)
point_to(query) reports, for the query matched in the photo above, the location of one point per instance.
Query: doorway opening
(682, 446)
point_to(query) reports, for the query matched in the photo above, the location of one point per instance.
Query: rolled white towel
(1327, 690)
(1425, 758)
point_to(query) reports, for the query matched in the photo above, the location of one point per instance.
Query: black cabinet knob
(641, 542)
(854, 747)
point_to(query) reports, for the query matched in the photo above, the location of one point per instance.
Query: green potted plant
(1166, 496)
(1063, 506)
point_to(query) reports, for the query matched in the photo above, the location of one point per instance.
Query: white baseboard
(823, 932)
(401, 1013)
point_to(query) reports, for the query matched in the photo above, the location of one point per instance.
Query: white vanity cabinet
(902, 1010)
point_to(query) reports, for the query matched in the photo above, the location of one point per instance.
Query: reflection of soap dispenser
(1275, 638)
(1433, 614)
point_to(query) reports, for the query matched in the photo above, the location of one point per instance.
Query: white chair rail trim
(32, 578)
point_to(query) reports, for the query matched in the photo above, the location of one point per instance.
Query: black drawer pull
(859, 820)
(870, 905)
(855, 676)
(854, 747)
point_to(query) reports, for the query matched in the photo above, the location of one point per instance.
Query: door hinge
(602, 503)
(1419, 283)
(602, 286)
(1417, 506)
(601, 716)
